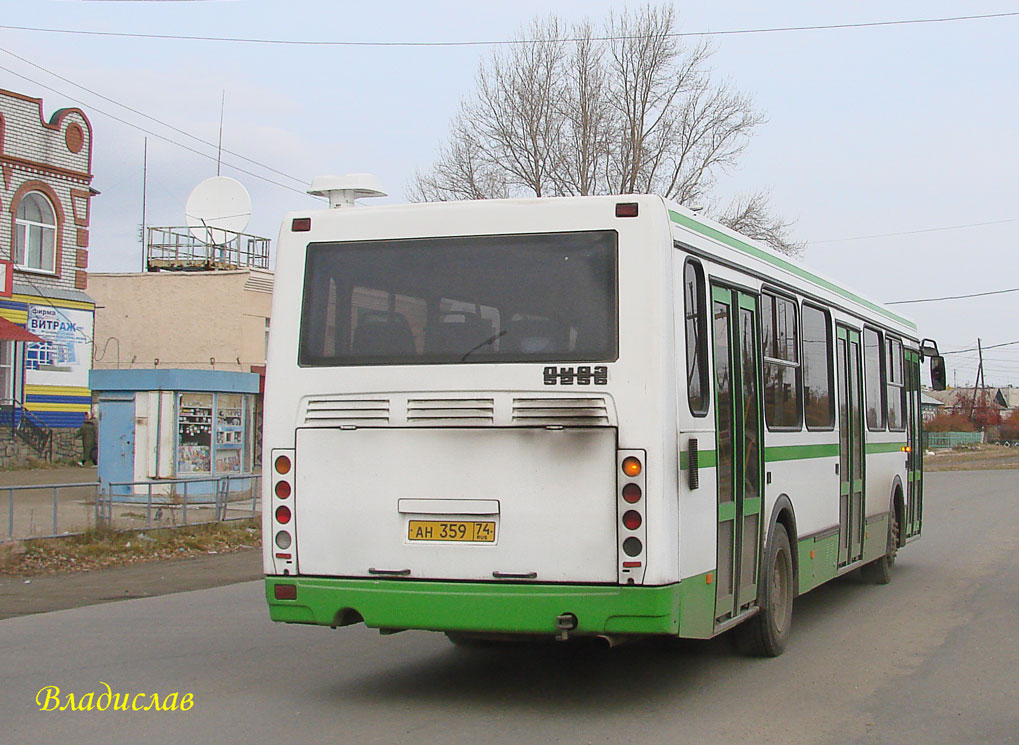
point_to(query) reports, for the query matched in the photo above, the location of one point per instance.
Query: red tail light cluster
(282, 511)
(632, 478)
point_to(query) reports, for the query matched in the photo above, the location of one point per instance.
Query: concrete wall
(181, 319)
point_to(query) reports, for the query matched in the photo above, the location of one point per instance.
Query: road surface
(931, 658)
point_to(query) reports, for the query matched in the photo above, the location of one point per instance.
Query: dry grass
(100, 548)
(972, 458)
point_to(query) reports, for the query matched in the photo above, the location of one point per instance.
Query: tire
(766, 634)
(880, 572)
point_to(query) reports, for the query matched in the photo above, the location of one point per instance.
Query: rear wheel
(766, 634)
(880, 572)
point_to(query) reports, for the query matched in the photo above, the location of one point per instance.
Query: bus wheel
(880, 572)
(766, 634)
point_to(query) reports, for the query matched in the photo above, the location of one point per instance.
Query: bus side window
(696, 339)
(818, 401)
(780, 342)
(874, 378)
(896, 388)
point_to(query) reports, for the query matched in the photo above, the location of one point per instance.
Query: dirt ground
(21, 596)
(976, 458)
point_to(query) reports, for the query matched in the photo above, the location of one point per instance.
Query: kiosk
(174, 424)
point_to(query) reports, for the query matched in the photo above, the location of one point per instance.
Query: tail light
(631, 519)
(632, 507)
(282, 511)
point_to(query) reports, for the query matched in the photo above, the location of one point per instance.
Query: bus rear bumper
(489, 607)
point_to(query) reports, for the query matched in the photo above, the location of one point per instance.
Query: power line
(973, 349)
(500, 42)
(914, 232)
(952, 297)
(150, 118)
(147, 131)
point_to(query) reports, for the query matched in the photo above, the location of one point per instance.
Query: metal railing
(27, 426)
(51, 510)
(24, 503)
(939, 440)
(178, 248)
(194, 501)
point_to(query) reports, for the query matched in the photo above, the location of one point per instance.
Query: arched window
(35, 233)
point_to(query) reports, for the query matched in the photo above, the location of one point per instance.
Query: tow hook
(565, 623)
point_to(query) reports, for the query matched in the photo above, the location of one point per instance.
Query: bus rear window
(513, 298)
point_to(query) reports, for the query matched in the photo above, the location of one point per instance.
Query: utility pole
(145, 181)
(219, 150)
(978, 381)
(980, 354)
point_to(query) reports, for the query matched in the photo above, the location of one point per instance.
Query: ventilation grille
(459, 410)
(560, 411)
(335, 412)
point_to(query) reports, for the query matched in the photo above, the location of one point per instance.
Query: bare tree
(751, 215)
(568, 112)
(588, 121)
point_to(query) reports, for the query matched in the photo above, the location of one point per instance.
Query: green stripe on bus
(686, 607)
(885, 447)
(483, 606)
(705, 459)
(739, 245)
(800, 452)
(780, 453)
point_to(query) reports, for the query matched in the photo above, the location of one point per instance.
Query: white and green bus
(593, 416)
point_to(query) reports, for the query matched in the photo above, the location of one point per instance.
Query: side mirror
(928, 348)
(938, 372)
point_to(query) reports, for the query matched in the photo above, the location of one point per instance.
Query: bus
(593, 416)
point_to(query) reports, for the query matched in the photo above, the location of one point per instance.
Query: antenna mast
(219, 149)
(145, 182)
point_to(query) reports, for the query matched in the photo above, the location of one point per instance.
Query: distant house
(930, 407)
(962, 400)
(1008, 399)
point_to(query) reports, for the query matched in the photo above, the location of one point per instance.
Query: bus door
(738, 447)
(851, 463)
(914, 445)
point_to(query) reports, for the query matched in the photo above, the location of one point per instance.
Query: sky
(896, 132)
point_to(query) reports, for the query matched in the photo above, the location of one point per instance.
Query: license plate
(452, 530)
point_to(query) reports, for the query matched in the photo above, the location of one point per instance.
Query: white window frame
(25, 228)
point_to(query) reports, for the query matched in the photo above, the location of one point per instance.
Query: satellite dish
(217, 205)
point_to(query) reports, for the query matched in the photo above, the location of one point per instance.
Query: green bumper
(680, 608)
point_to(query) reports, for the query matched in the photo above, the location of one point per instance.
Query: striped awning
(13, 332)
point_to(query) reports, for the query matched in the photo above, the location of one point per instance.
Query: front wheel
(880, 572)
(766, 634)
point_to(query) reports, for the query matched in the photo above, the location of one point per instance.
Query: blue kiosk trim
(223, 434)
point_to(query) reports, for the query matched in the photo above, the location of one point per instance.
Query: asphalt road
(931, 658)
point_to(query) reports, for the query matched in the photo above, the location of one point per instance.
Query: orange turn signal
(631, 467)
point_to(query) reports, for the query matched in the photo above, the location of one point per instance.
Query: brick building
(46, 316)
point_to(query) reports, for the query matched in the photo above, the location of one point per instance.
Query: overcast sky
(869, 131)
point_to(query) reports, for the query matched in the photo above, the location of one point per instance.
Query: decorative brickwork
(82, 238)
(53, 157)
(80, 279)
